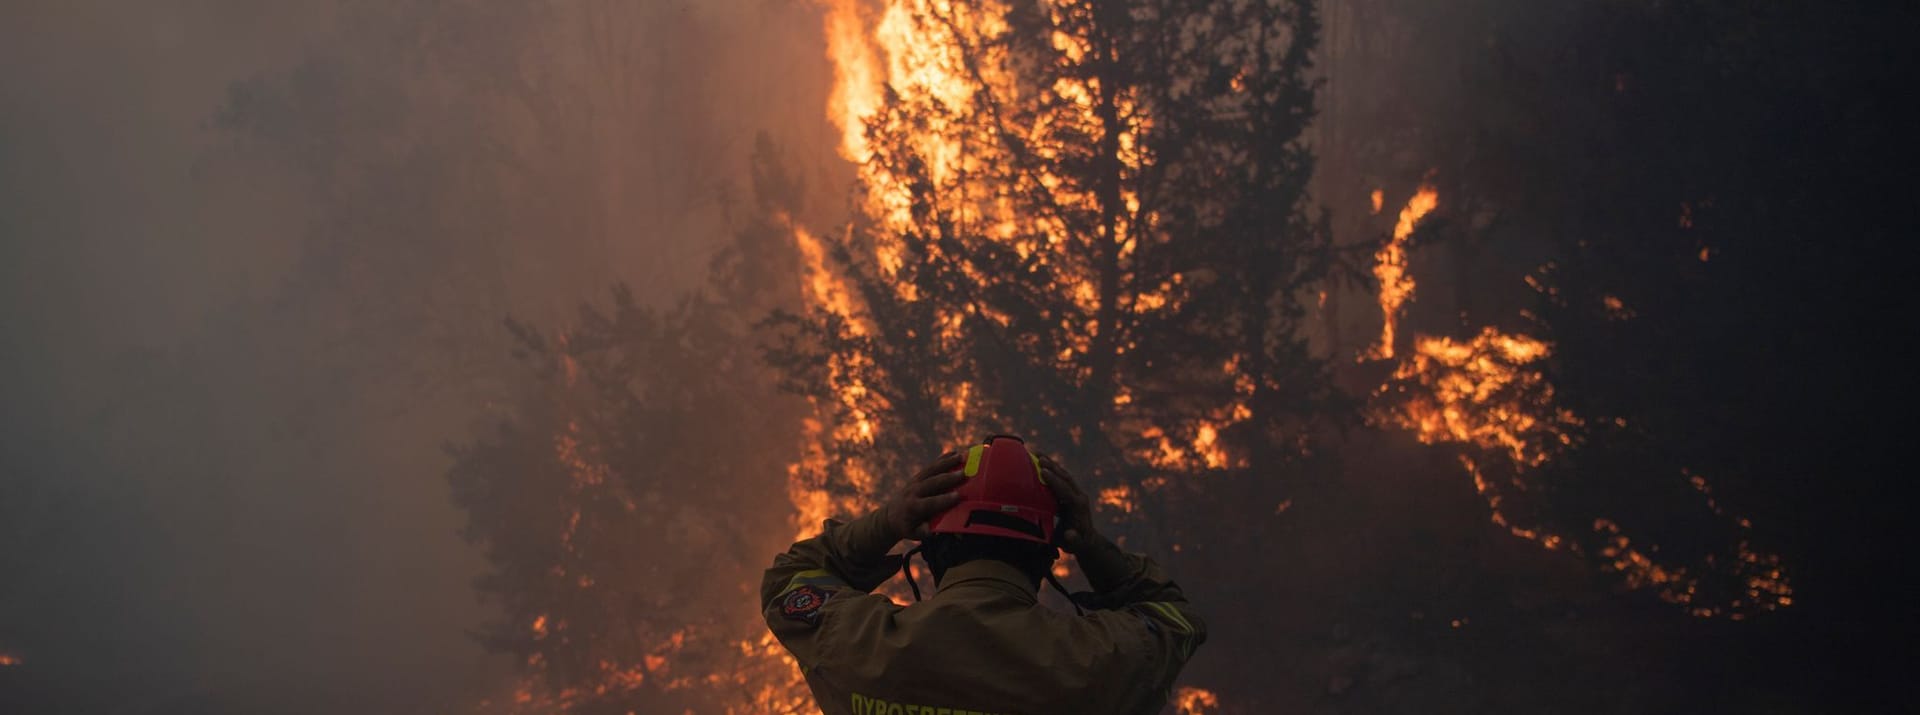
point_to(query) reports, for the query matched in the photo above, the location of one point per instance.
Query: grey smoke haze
(253, 261)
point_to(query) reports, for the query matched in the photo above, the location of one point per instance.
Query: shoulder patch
(803, 603)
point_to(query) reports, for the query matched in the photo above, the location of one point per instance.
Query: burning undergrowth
(1489, 398)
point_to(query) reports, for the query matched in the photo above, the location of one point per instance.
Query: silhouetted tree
(628, 502)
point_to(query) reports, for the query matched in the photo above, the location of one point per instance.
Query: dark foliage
(625, 506)
(1705, 196)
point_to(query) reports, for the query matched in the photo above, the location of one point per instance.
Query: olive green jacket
(982, 644)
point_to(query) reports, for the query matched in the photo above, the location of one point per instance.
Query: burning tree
(1087, 222)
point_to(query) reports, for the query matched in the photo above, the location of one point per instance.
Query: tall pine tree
(1087, 223)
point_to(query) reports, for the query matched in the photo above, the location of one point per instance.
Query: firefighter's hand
(1076, 531)
(923, 497)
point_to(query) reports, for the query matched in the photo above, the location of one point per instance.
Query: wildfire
(935, 75)
(589, 478)
(929, 76)
(856, 82)
(1489, 393)
(825, 289)
(1482, 392)
(917, 89)
(1390, 266)
(944, 64)
(9, 659)
(893, 50)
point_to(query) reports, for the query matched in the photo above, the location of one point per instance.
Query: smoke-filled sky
(221, 470)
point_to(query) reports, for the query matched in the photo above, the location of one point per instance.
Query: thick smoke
(254, 261)
(255, 257)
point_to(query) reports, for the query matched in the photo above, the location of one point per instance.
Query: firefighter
(982, 643)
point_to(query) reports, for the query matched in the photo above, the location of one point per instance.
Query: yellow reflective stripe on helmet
(1037, 471)
(973, 459)
(812, 577)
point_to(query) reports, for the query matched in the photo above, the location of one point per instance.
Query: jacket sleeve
(1149, 617)
(833, 573)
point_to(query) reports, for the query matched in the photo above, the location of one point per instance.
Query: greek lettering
(868, 705)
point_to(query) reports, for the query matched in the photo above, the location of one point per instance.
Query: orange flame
(1390, 265)
(1195, 701)
(1481, 392)
(1487, 392)
(941, 62)
(856, 82)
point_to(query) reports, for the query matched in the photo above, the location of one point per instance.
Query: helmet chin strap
(906, 568)
(1063, 592)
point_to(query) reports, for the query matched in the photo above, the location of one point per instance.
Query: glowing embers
(585, 472)
(1483, 393)
(1615, 308)
(9, 659)
(1195, 701)
(1488, 393)
(1744, 582)
(611, 680)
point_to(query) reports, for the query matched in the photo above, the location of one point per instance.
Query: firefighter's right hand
(926, 495)
(1076, 531)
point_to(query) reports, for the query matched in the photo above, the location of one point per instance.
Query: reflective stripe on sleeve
(1170, 614)
(812, 577)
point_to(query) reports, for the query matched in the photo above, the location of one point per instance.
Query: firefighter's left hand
(923, 497)
(1076, 531)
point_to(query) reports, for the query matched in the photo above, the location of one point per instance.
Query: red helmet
(1004, 495)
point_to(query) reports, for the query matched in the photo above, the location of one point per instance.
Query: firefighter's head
(1006, 513)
